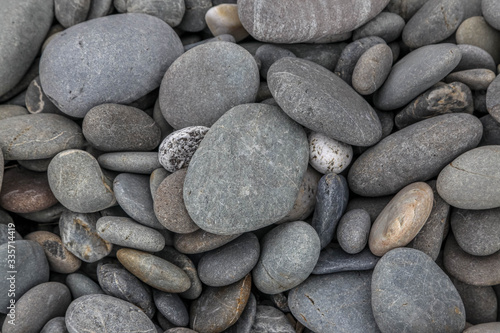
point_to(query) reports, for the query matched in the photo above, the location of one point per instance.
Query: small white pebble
(328, 155)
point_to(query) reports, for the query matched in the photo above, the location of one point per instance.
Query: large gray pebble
(169, 11)
(81, 285)
(132, 162)
(268, 319)
(385, 25)
(69, 13)
(171, 306)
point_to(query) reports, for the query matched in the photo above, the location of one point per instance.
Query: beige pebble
(223, 19)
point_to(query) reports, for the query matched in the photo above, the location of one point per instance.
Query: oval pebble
(69, 13)
(491, 12)
(333, 260)
(171, 306)
(55, 325)
(474, 57)
(270, 319)
(200, 241)
(480, 302)
(477, 32)
(372, 69)
(81, 285)
(353, 230)
(328, 155)
(131, 162)
(385, 25)
(169, 11)
(223, 19)
(475, 79)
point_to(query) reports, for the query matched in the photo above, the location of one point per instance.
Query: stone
(37, 101)
(373, 206)
(55, 325)
(474, 57)
(333, 260)
(343, 298)
(75, 88)
(31, 268)
(484, 328)
(247, 318)
(385, 25)
(288, 255)
(25, 25)
(327, 155)
(270, 319)
(444, 137)
(7, 111)
(353, 230)
(194, 16)
(165, 127)
(37, 306)
(305, 22)
(268, 55)
(415, 73)
(169, 11)
(100, 9)
(253, 156)
(372, 69)
(470, 180)
(326, 55)
(114, 127)
(5, 235)
(223, 19)
(78, 182)
(171, 306)
(200, 241)
(37, 136)
(59, 258)
(130, 162)
(15, 95)
(81, 285)
(480, 302)
(40, 165)
(156, 178)
(475, 79)
(221, 69)
(51, 214)
(218, 308)
(220, 38)
(69, 13)
(100, 313)
(154, 271)
(491, 12)
(410, 291)
(79, 236)
(491, 131)
(229, 263)
(180, 330)
(493, 99)
(477, 32)
(405, 8)
(331, 202)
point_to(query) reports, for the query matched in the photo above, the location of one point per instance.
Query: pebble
(372, 69)
(229, 263)
(114, 127)
(5, 235)
(51, 214)
(100, 9)
(78, 182)
(75, 88)
(8, 111)
(103, 313)
(475, 79)
(177, 149)
(471, 181)
(491, 12)
(157, 176)
(373, 206)
(200, 241)
(480, 303)
(484, 328)
(69, 13)
(165, 127)
(247, 318)
(491, 131)
(445, 137)
(40, 165)
(353, 230)
(169, 11)
(475, 31)
(180, 330)
(130, 162)
(333, 260)
(474, 57)
(328, 155)
(385, 25)
(318, 99)
(268, 54)
(172, 307)
(493, 99)
(331, 202)
(37, 306)
(81, 285)
(223, 19)
(194, 16)
(405, 8)
(288, 255)
(154, 271)
(55, 325)
(270, 319)
(37, 101)
(221, 69)
(415, 73)
(218, 308)
(326, 55)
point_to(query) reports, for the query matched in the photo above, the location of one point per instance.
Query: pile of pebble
(253, 166)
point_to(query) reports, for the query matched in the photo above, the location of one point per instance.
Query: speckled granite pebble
(327, 155)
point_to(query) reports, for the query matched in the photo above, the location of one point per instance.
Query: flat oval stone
(305, 21)
(40, 165)
(474, 57)
(477, 32)
(114, 127)
(475, 79)
(353, 230)
(385, 25)
(268, 54)
(343, 298)
(270, 319)
(219, 308)
(288, 255)
(194, 16)
(409, 289)
(401, 219)
(55, 325)
(131, 162)
(415, 73)
(51, 214)
(69, 13)
(37, 136)
(101, 313)
(200, 241)
(472, 180)
(169, 11)
(372, 69)
(231, 262)
(78, 183)
(333, 260)
(71, 65)
(81, 285)
(328, 155)
(491, 12)
(253, 156)
(444, 138)
(493, 99)
(171, 306)
(79, 235)
(154, 271)
(221, 69)
(318, 99)
(223, 19)
(480, 302)
(326, 55)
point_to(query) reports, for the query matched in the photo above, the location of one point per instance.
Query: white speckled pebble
(328, 155)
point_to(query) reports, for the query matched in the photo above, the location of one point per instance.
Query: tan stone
(224, 19)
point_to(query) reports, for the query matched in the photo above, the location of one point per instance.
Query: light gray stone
(130, 162)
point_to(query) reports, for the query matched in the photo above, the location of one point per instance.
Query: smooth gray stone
(81, 285)
(194, 17)
(333, 260)
(229, 263)
(169, 11)
(171, 307)
(228, 167)
(268, 319)
(133, 194)
(372, 69)
(7, 111)
(79, 236)
(156, 178)
(75, 88)
(50, 214)
(385, 25)
(40, 165)
(180, 330)
(37, 101)
(367, 179)
(373, 206)
(22, 85)
(18, 99)
(6, 234)
(288, 255)
(492, 99)
(408, 288)
(415, 73)
(480, 101)
(130, 162)
(69, 13)
(37, 306)
(331, 202)
(55, 325)
(78, 182)
(484, 328)
(353, 230)
(114, 127)
(221, 38)
(475, 79)
(318, 99)
(100, 8)
(24, 26)
(31, 266)
(247, 318)
(472, 180)
(474, 57)
(221, 69)
(165, 127)
(405, 8)
(103, 313)
(334, 302)
(305, 21)
(326, 55)
(268, 55)
(476, 31)
(480, 302)
(38, 136)
(491, 12)
(491, 131)
(116, 281)
(471, 8)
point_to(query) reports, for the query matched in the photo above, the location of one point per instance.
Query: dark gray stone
(491, 12)
(220, 69)
(247, 318)
(40, 165)
(229, 263)
(334, 302)
(268, 319)
(5, 234)
(474, 57)
(385, 25)
(169, 11)
(75, 88)
(333, 260)
(331, 202)
(14, 95)
(194, 17)
(69, 13)
(254, 156)
(100, 9)
(130, 162)
(408, 289)
(81, 285)
(269, 54)
(372, 69)
(55, 325)
(221, 38)
(318, 99)
(491, 131)
(171, 307)
(492, 99)
(37, 101)
(415, 73)
(326, 55)
(371, 205)
(405, 8)
(480, 302)
(475, 79)
(100, 313)
(353, 230)
(444, 138)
